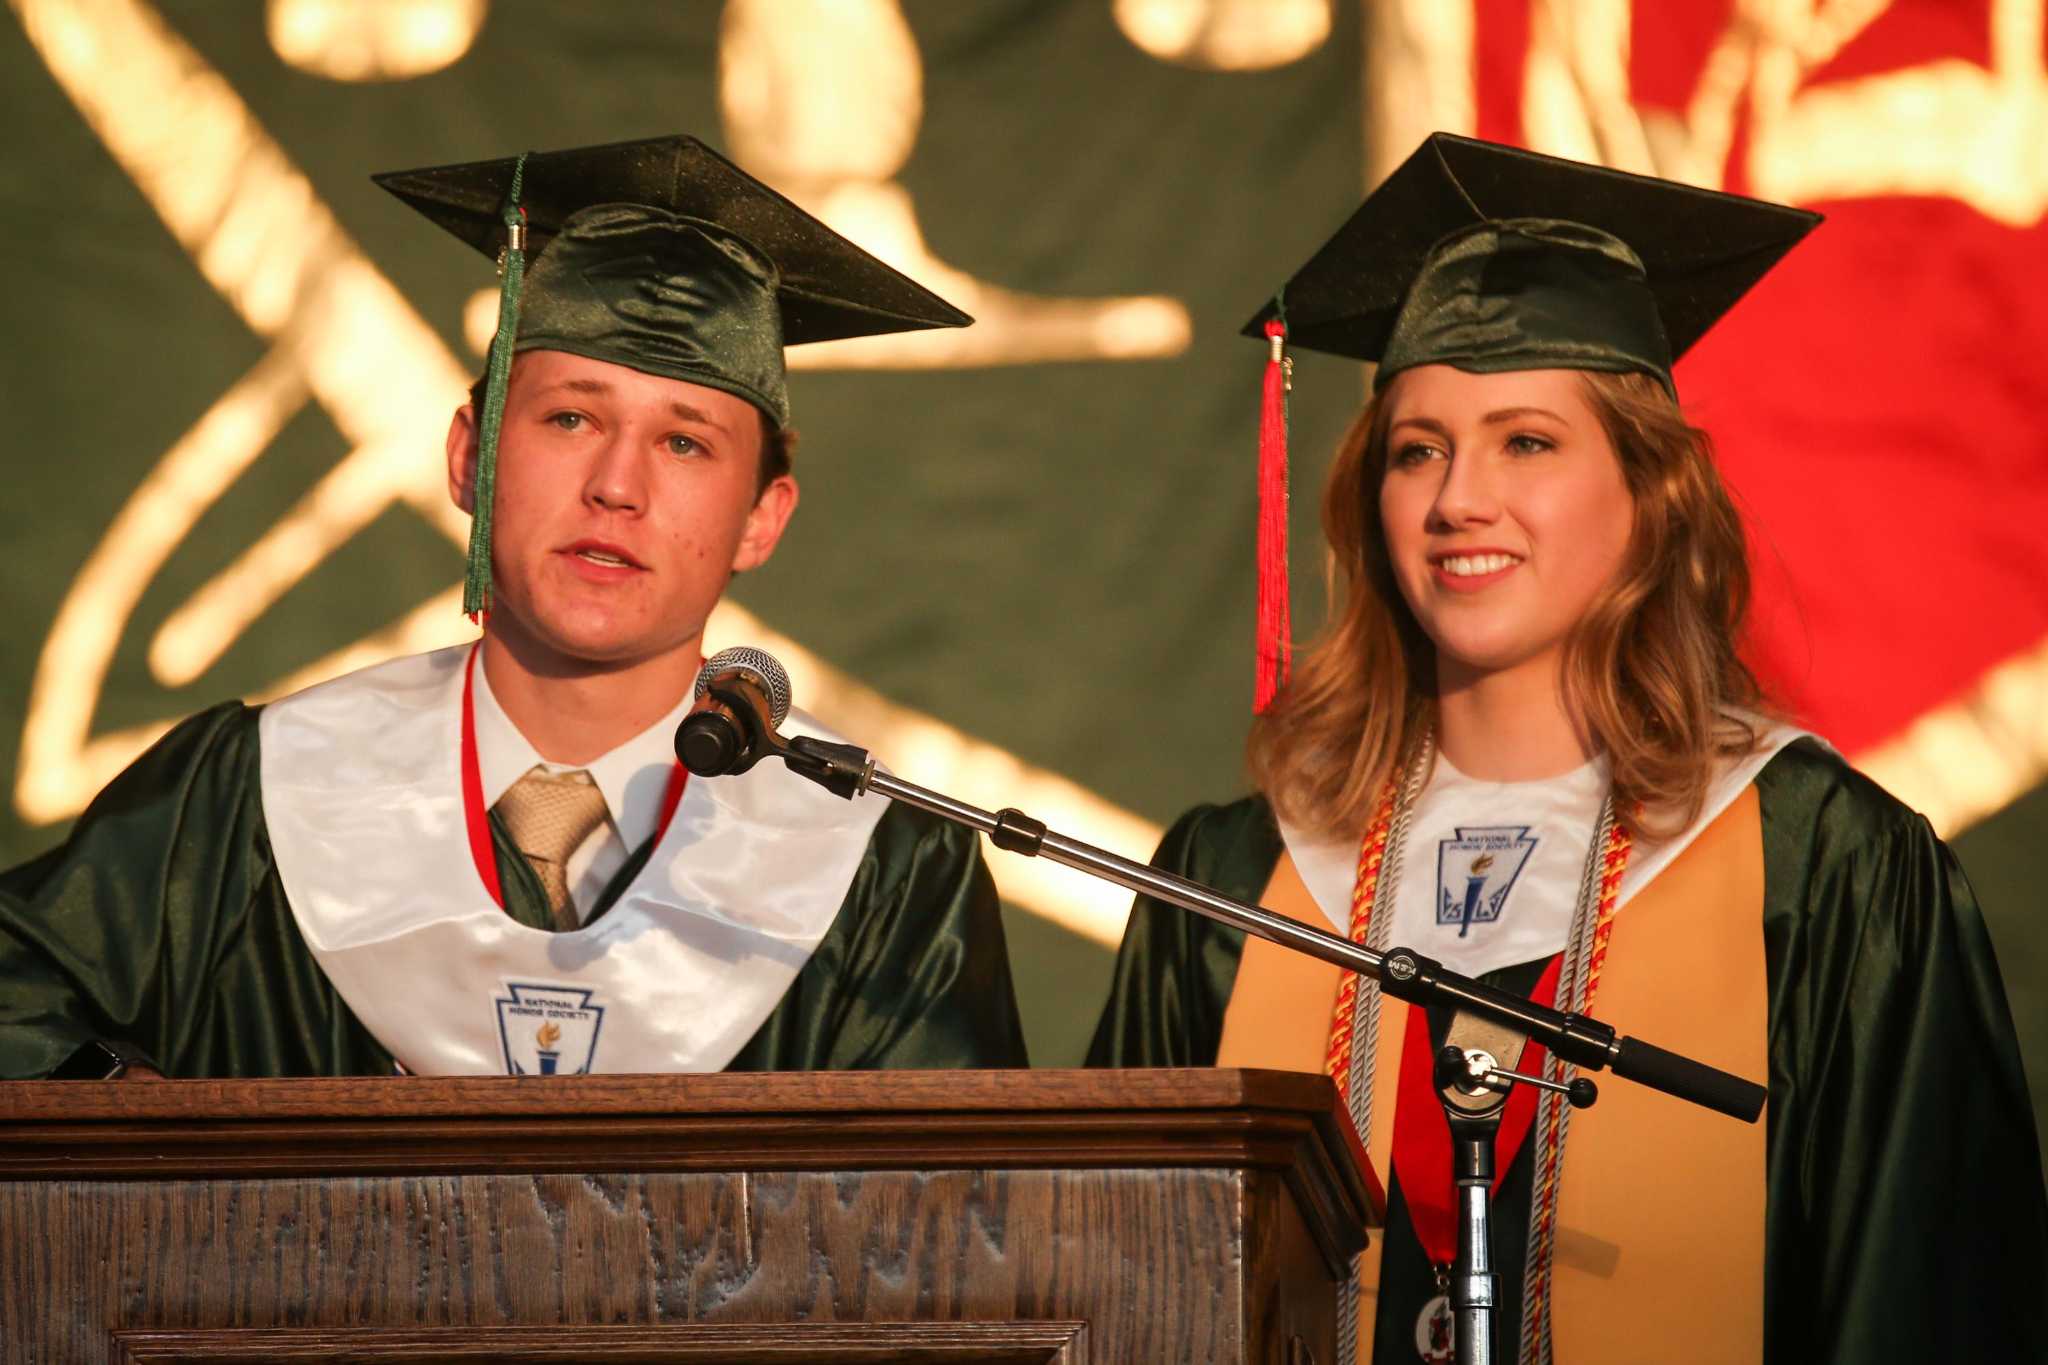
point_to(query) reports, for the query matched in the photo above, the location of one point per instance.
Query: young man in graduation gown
(486, 860)
(1803, 928)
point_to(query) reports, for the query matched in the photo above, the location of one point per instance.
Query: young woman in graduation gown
(1525, 745)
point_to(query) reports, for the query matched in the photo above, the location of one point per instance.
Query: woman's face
(1505, 513)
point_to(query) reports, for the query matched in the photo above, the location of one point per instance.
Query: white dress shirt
(633, 778)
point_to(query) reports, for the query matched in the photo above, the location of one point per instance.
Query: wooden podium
(1104, 1216)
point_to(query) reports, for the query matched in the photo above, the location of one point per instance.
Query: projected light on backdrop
(825, 100)
(826, 103)
(1944, 128)
(1226, 35)
(372, 40)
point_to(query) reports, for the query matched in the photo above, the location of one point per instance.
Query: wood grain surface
(1182, 1216)
(898, 1343)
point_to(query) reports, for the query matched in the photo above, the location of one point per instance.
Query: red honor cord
(474, 816)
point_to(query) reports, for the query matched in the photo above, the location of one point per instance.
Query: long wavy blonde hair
(1651, 671)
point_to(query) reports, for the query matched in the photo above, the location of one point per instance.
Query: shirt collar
(633, 778)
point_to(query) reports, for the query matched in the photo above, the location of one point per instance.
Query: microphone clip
(842, 769)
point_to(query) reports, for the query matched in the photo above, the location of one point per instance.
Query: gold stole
(1661, 1208)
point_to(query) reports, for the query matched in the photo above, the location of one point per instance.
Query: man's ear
(765, 522)
(462, 452)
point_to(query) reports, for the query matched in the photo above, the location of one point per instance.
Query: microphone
(742, 697)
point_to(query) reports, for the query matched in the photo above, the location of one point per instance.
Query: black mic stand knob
(708, 744)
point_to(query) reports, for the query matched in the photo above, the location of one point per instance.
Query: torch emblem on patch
(548, 1030)
(1475, 870)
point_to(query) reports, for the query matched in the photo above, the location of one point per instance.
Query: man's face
(625, 503)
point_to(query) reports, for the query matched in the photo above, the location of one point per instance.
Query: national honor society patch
(1475, 870)
(548, 1030)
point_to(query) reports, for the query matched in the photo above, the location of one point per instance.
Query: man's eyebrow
(693, 414)
(683, 411)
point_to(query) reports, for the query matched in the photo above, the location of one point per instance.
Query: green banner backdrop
(231, 360)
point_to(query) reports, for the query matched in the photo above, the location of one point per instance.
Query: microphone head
(774, 682)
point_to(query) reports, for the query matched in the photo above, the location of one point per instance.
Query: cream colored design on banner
(340, 335)
(823, 99)
(1944, 128)
(1225, 35)
(1947, 128)
(372, 40)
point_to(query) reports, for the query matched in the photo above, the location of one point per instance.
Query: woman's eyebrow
(1515, 414)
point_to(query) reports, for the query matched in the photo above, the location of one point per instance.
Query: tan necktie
(549, 815)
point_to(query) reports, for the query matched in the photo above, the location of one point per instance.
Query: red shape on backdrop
(1665, 58)
(1874, 402)
(1912, 34)
(1500, 56)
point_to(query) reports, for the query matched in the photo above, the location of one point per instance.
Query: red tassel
(1275, 635)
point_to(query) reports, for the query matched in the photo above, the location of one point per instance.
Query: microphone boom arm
(849, 771)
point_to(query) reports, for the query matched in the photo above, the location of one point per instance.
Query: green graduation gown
(1905, 1217)
(162, 922)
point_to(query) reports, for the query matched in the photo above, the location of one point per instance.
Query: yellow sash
(1661, 1206)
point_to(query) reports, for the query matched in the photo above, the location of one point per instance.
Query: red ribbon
(474, 816)
(1422, 1137)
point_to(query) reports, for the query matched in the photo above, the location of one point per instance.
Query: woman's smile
(1472, 570)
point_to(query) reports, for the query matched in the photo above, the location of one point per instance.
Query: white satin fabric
(633, 779)
(362, 793)
(1559, 813)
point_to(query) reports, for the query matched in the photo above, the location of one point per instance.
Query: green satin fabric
(664, 294)
(913, 973)
(1174, 970)
(161, 922)
(1530, 294)
(1906, 1218)
(1905, 1213)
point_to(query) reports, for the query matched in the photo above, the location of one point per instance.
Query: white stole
(362, 794)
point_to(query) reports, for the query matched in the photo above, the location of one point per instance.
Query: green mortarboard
(1490, 258)
(661, 256)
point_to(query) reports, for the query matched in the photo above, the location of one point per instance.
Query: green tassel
(476, 580)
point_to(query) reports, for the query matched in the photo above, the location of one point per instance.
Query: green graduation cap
(1490, 258)
(662, 256)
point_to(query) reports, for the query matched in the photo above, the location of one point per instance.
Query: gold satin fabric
(1661, 1208)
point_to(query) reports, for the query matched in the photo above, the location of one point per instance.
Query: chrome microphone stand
(849, 771)
(1473, 1076)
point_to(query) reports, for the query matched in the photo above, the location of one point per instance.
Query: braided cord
(1355, 1024)
(476, 578)
(1578, 978)
(1354, 1028)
